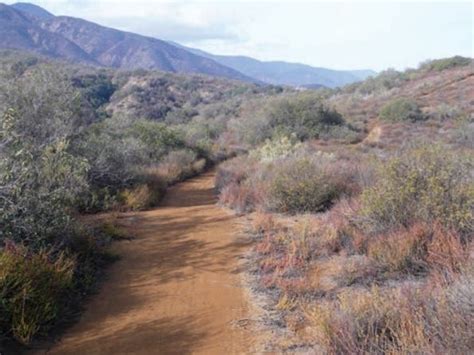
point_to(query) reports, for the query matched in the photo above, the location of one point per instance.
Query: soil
(177, 288)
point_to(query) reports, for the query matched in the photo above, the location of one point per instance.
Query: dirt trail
(176, 289)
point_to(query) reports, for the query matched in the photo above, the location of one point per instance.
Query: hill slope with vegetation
(78, 140)
(363, 227)
(341, 209)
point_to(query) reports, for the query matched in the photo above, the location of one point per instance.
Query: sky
(339, 35)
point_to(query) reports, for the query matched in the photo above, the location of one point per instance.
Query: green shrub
(97, 88)
(276, 148)
(113, 157)
(427, 183)
(179, 165)
(157, 139)
(305, 184)
(31, 288)
(48, 108)
(144, 195)
(305, 116)
(39, 186)
(445, 63)
(113, 231)
(401, 110)
(385, 80)
(201, 134)
(119, 150)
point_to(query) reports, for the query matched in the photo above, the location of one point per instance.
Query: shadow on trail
(177, 249)
(156, 334)
(150, 296)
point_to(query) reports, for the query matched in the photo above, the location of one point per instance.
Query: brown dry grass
(337, 286)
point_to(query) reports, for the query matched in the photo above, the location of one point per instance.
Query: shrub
(426, 183)
(305, 116)
(180, 164)
(343, 134)
(372, 322)
(112, 156)
(278, 147)
(384, 81)
(444, 112)
(201, 135)
(48, 108)
(144, 195)
(251, 128)
(445, 63)
(113, 231)
(118, 151)
(402, 320)
(447, 252)
(156, 139)
(306, 184)
(401, 110)
(97, 88)
(31, 287)
(239, 197)
(39, 186)
(234, 171)
(402, 250)
(263, 223)
(283, 256)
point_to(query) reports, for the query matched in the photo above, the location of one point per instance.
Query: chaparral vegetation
(359, 199)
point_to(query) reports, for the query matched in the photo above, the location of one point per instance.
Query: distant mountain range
(284, 73)
(29, 27)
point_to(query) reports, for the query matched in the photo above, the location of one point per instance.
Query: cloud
(164, 28)
(181, 21)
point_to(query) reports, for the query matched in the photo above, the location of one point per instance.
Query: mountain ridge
(30, 27)
(286, 73)
(19, 32)
(86, 42)
(32, 9)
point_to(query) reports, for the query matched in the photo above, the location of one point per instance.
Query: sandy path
(176, 289)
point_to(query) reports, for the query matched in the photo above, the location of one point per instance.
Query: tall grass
(31, 289)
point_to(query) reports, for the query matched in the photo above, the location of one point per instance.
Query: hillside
(85, 42)
(18, 31)
(361, 217)
(33, 10)
(30, 27)
(349, 201)
(441, 95)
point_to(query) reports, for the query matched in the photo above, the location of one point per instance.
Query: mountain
(82, 41)
(284, 73)
(19, 31)
(33, 10)
(30, 27)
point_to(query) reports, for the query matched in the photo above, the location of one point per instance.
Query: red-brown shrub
(237, 197)
(403, 250)
(263, 223)
(233, 171)
(446, 251)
